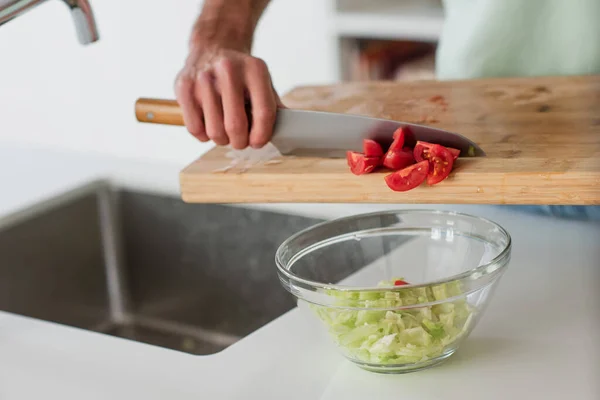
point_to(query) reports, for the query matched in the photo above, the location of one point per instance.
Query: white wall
(55, 92)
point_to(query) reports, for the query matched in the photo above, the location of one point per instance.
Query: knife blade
(319, 133)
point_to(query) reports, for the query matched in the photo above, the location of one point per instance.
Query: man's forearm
(228, 22)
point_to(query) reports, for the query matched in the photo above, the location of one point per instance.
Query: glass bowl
(397, 290)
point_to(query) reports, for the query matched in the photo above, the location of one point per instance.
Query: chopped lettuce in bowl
(397, 329)
(453, 262)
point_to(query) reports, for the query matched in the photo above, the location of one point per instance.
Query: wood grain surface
(541, 136)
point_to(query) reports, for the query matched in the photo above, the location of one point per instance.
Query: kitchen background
(56, 93)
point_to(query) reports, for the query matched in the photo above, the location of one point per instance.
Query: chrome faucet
(85, 25)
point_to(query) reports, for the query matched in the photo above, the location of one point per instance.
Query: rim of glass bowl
(487, 270)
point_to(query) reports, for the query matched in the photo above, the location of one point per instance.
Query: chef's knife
(317, 133)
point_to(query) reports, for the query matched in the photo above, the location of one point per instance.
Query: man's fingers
(264, 106)
(211, 105)
(214, 107)
(232, 94)
(192, 114)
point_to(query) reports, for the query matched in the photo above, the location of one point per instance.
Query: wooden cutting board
(541, 136)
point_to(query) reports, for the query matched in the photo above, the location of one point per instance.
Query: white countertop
(538, 339)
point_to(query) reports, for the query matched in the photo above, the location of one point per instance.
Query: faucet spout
(83, 17)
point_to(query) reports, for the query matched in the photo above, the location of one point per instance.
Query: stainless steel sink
(146, 267)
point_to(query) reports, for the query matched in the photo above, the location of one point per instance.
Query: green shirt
(486, 38)
(495, 38)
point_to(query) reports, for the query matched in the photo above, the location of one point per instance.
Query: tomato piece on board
(400, 282)
(455, 152)
(398, 142)
(398, 159)
(441, 161)
(408, 178)
(421, 151)
(399, 134)
(372, 148)
(360, 164)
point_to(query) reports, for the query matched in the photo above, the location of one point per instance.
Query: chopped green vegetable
(396, 335)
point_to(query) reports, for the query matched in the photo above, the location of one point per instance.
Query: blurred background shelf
(379, 59)
(386, 39)
(389, 19)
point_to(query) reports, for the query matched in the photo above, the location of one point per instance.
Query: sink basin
(146, 267)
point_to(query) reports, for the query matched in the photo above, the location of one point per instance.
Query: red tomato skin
(422, 149)
(408, 178)
(400, 132)
(349, 158)
(400, 282)
(441, 162)
(398, 142)
(396, 160)
(360, 164)
(455, 152)
(371, 148)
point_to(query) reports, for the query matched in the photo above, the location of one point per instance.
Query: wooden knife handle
(158, 111)
(168, 112)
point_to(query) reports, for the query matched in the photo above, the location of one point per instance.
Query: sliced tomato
(400, 132)
(455, 152)
(398, 142)
(441, 161)
(360, 164)
(421, 151)
(372, 148)
(408, 178)
(398, 159)
(400, 282)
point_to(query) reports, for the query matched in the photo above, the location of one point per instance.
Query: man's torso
(483, 38)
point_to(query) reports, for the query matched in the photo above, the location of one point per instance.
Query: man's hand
(220, 76)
